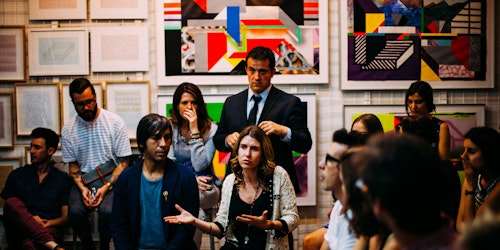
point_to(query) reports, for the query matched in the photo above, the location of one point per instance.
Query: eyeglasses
(331, 158)
(82, 104)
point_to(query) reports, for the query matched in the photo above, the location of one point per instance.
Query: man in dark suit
(281, 115)
(148, 191)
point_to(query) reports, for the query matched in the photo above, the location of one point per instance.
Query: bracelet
(195, 133)
(210, 230)
(110, 186)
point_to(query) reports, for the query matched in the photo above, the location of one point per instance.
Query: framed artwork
(6, 121)
(124, 9)
(67, 108)
(208, 41)
(37, 105)
(129, 100)
(56, 157)
(12, 53)
(305, 164)
(459, 117)
(109, 53)
(389, 44)
(57, 9)
(7, 164)
(58, 52)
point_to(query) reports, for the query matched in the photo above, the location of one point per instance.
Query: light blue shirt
(264, 94)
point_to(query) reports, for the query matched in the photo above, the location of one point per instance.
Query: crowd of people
(390, 190)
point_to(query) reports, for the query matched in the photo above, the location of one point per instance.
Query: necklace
(251, 212)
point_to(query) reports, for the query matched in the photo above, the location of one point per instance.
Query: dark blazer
(126, 214)
(281, 108)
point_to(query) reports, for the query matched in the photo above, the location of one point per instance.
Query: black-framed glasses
(328, 158)
(82, 104)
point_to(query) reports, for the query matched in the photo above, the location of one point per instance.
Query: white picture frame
(37, 105)
(307, 197)
(110, 52)
(345, 84)
(13, 57)
(58, 52)
(68, 109)
(124, 9)
(7, 120)
(167, 22)
(57, 9)
(129, 100)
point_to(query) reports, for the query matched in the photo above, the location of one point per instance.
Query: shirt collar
(263, 94)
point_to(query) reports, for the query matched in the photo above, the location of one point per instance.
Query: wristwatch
(110, 186)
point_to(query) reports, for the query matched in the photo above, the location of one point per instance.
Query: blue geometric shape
(233, 22)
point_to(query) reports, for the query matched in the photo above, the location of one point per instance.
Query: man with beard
(94, 138)
(36, 197)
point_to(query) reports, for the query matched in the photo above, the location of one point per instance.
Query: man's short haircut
(149, 126)
(79, 85)
(262, 53)
(402, 171)
(50, 137)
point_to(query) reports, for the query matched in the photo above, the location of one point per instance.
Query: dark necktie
(252, 118)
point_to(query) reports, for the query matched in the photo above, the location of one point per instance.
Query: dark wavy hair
(262, 53)
(204, 121)
(50, 137)
(266, 166)
(151, 125)
(488, 141)
(424, 89)
(79, 85)
(362, 221)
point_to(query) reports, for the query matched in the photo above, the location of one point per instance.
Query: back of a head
(422, 127)
(371, 123)
(402, 172)
(349, 138)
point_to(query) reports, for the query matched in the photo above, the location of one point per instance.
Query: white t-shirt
(96, 142)
(338, 235)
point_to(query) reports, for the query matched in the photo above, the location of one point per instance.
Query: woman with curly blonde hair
(258, 207)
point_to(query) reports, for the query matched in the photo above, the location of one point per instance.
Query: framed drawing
(129, 100)
(305, 163)
(388, 45)
(58, 52)
(459, 117)
(208, 42)
(12, 53)
(57, 10)
(7, 164)
(125, 9)
(110, 53)
(56, 157)
(6, 121)
(37, 106)
(67, 107)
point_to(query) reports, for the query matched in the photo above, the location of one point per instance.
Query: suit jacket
(126, 214)
(281, 108)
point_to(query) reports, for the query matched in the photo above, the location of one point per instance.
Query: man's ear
(51, 151)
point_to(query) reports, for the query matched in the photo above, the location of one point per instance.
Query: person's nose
(189, 105)
(321, 165)
(162, 142)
